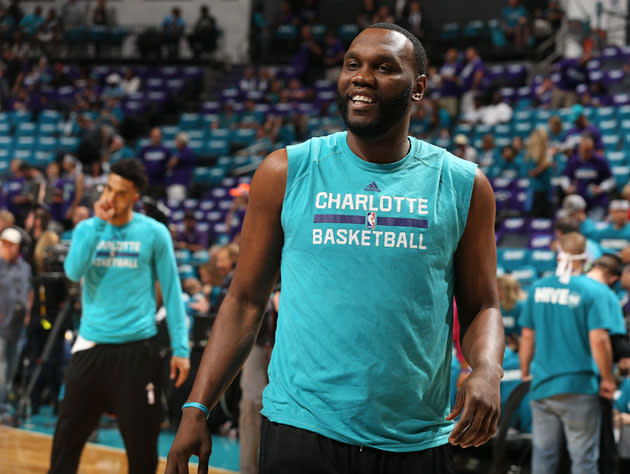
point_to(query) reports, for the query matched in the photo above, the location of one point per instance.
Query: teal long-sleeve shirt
(120, 265)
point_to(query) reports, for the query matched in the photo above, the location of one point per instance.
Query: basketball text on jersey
(116, 253)
(367, 212)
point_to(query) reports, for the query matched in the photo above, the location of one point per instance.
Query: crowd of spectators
(78, 24)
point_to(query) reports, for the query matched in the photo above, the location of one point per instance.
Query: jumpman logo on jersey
(372, 187)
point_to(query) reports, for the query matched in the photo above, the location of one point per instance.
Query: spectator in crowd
(464, 150)
(515, 23)
(6, 219)
(253, 381)
(622, 420)
(191, 237)
(308, 59)
(7, 24)
(333, 56)
(173, 28)
(51, 195)
(581, 126)
(155, 157)
(563, 335)
(50, 32)
(117, 150)
(113, 89)
(573, 72)
(285, 16)
(565, 225)
(588, 174)
(73, 14)
(383, 15)
(249, 81)
(511, 297)
(228, 118)
(16, 298)
(554, 14)
(80, 214)
(100, 15)
(73, 174)
(488, 154)
(556, 132)
(539, 164)
(543, 93)
(94, 179)
(31, 22)
(574, 206)
(471, 76)
(450, 83)
(15, 11)
(35, 225)
(614, 235)
(180, 168)
(414, 19)
(47, 301)
(130, 82)
(367, 13)
(236, 214)
(90, 139)
(498, 111)
(309, 12)
(203, 38)
(508, 166)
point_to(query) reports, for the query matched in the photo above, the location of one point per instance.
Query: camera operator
(50, 291)
(116, 365)
(16, 298)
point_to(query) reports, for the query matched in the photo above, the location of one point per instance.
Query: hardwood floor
(25, 452)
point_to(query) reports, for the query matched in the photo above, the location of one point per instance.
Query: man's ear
(419, 88)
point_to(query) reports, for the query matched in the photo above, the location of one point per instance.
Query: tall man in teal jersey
(115, 366)
(373, 233)
(567, 321)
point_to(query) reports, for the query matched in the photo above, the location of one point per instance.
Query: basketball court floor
(27, 450)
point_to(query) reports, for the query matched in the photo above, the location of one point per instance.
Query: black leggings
(123, 379)
(288, 450)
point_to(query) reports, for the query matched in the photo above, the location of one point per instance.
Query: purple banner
(402, 222)
(338, 219)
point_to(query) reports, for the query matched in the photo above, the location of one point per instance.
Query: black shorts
(121, 379)
(288, 450)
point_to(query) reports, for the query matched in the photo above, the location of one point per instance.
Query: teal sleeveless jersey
(363, 343)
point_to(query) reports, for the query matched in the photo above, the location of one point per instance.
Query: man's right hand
(193, 437)
(103, 209)
(607, 388)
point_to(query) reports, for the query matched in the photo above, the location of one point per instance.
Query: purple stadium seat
(540, 225)
(214, 217)
(621, 99)
(190, 204)
(207, 205)
(540, 241)
(514, 225)
(231, 93)
(508, 93)
(594, 65)
(501, 184)
(210, 107)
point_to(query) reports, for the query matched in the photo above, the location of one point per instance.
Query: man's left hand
(180, 366)
(479, 402)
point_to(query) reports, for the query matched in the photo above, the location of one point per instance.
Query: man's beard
(389, 114)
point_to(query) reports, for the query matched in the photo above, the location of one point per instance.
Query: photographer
(50, 292)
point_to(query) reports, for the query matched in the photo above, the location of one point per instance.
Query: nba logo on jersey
(371, 220)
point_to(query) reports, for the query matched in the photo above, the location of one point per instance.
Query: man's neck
(389, 148)
(597, 275)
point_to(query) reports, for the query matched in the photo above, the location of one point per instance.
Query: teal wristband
(200, 406)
